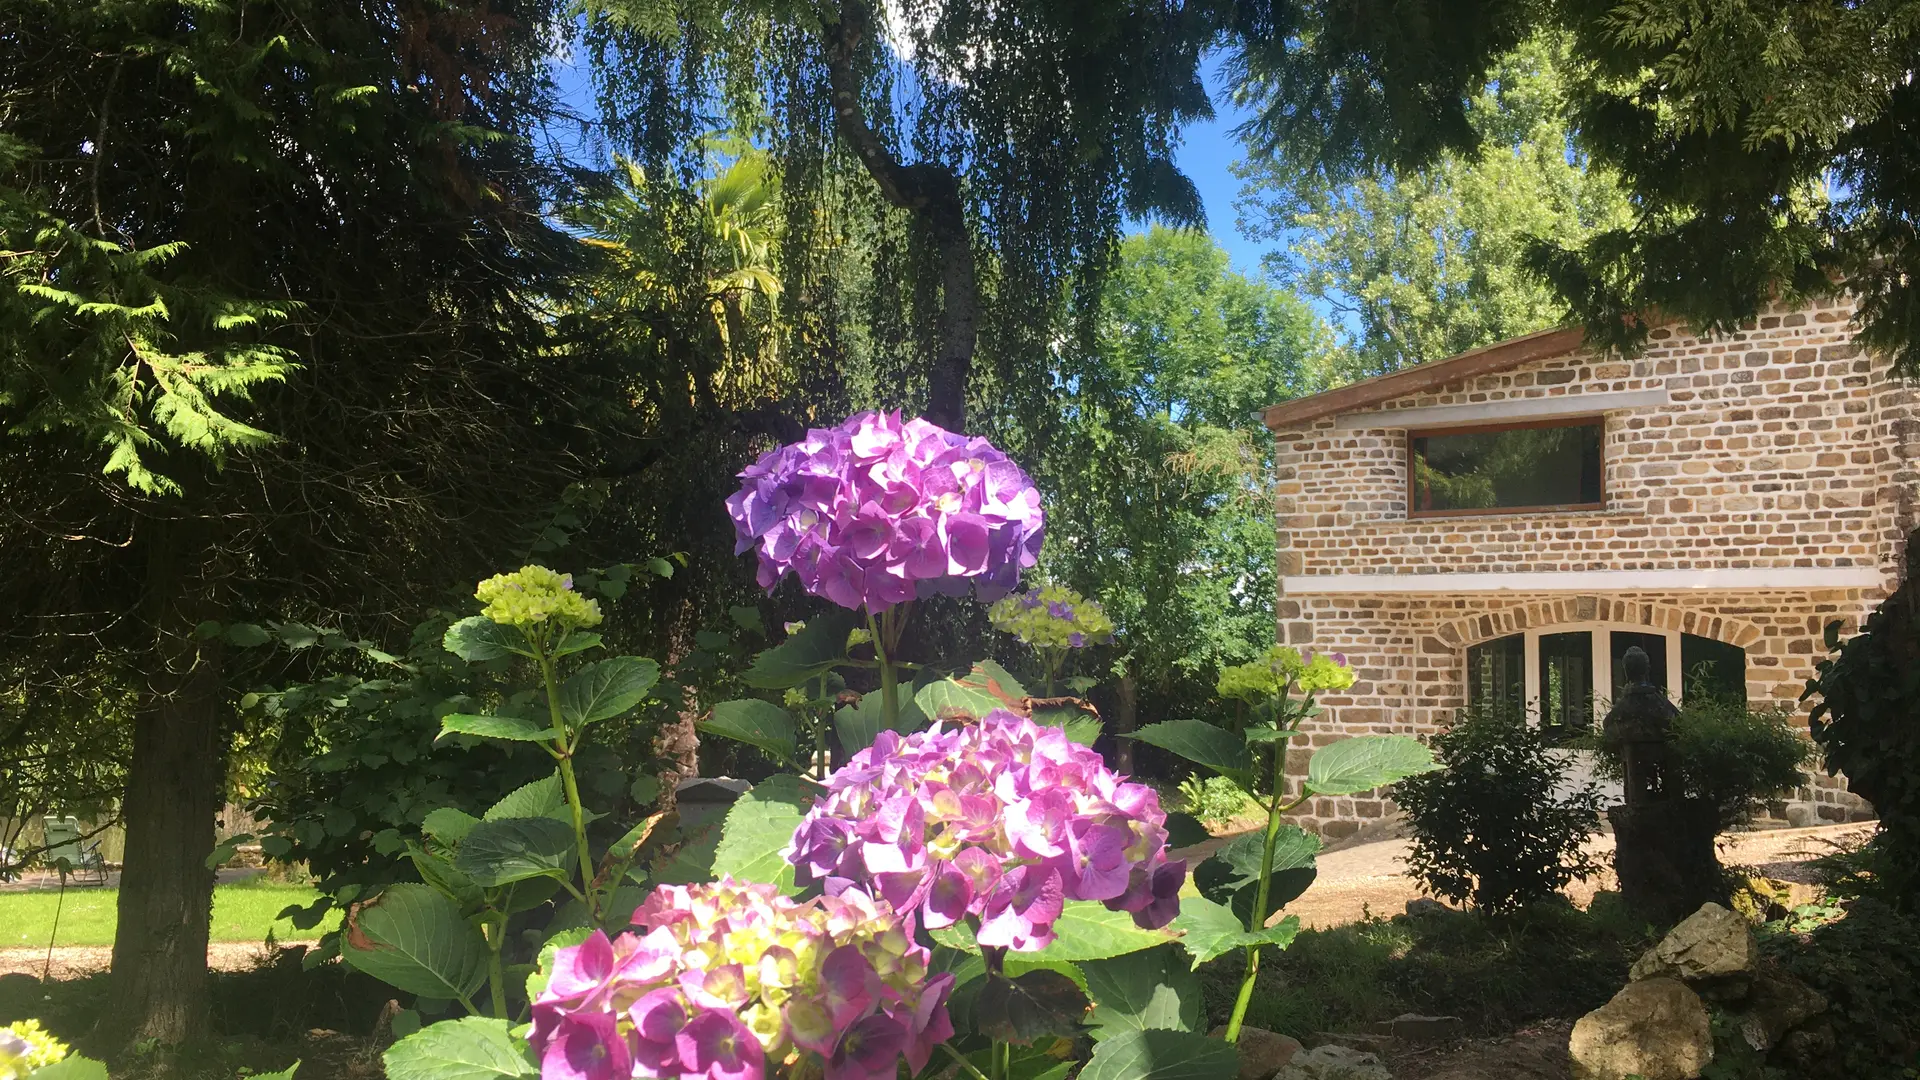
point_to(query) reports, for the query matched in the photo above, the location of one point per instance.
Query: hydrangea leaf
(1209, 930)
(413, 938)
(1203, 744)
(1184, 831)
(603, 690)
(816, 649)
(509, 728)
(542, 798)
(448, 825)
(858, 725)
(759, 826)
(501, 852)
(477, 638)
(73, 1067)
(1029, 1007)
(470, 1048)
(1366, 762)
(1146, 990)
(1080, 722)
(1162, 1055)
(578, 641)
(760, 724)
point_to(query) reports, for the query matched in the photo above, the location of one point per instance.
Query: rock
(1775, 1006)
(1654, 1029)
(1426, 905)
(1262, 1052)
(1421, 1030)
(1370, 1042)
(1334, 1063)
(1801, 815)
(1809, 1046)
(1713, 947)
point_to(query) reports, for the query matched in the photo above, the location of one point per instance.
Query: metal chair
(71, 855)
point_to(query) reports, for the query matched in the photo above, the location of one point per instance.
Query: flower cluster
(726, 978)
(1052, 617)
(1269, 676)
(26, 1046)
(533, 595)
(876, 511)
(1001, 820)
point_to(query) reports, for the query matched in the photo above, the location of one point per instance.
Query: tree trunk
(1126, 720)
(174, 786)
(932, 191)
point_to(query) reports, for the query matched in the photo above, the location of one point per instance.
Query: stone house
(1505, 523)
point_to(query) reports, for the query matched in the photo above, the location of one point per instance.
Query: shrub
(1729, 754)
(1215, 800)
(1866, 719)
(1502, 823)
(1867, 966)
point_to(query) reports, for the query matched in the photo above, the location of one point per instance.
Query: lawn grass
(242, 911)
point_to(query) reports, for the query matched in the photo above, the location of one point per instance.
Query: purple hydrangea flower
(876, 511)
(726, 977)
(1001, 822)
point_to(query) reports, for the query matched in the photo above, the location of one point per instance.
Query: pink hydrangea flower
(1001, 821)
(876, 511)
(723, 979)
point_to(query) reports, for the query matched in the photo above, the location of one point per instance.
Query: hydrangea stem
(565, 754)
(1257, 919)
(496, 930)
(889, 679)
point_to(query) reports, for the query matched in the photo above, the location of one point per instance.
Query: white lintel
(1492, 412)
(1741, 579)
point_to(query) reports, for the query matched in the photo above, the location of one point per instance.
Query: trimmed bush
(1502, 824)
(1729, 754)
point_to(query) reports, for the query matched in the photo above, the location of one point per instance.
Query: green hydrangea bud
(533, 595)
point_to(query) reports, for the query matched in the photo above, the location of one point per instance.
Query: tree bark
(174, 787)
(1126, 720)
(932, 192)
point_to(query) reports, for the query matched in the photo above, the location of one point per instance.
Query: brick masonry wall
(1783, 445)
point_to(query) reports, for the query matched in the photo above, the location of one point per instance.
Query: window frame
(1600, 635)
(1598, 420)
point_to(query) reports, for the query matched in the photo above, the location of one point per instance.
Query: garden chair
(72, 856)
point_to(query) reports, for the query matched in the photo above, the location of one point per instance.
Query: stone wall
(1783, 445)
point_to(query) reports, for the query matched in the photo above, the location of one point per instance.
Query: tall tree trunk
(932, 191)
(174, 789)
(1126, 720)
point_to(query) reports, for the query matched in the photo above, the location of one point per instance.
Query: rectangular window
(1555, 465)
(1566, 682)
(1713, 668)
(1654, 645)
(1497, 672)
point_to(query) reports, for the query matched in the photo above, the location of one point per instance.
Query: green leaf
(478, 638)
(606, 689)
(757, 723)
(971, 696)
(283, 1074)
(499, 852)
(1082, 724)
(405, 1022)
(510, 728)
(542, 798)
(246, 635)
(1032, 1006)
(818, 648)
(1365, 762)
(644, 789)
(1203, 744)
(1209, 930)
(661, 568)
(470, 1048)
(1149, 989)
(72, 1067)
(858, 725)
(577, 642)
(758, 826)
(441, 874)
(448, 825)
(225, 850)
(747, 618)
(413, 938)
(1162, 1055)
(1185, 830)
(1085, 930)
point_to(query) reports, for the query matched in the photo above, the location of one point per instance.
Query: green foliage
(415, 938)
(470, 1048)
(1728, 754)
(1863, 718)
(1216, 800)
(1427, 262)
(1867, 966)
(1156, 1054)
(1501, 824)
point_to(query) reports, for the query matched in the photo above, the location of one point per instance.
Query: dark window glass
(1497, 671)
(1515, 468)
(1566, 681)
(1654, 645)
(1713, 667)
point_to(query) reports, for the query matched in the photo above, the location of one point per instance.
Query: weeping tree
(271, 346)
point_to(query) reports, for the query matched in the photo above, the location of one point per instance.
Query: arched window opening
(1567, 675)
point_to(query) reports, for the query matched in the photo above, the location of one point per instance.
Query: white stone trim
(1558, 581)
(1488, 412)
